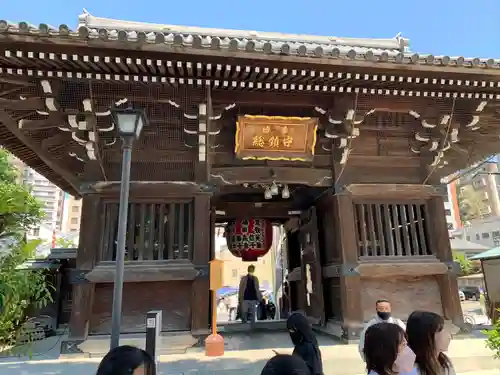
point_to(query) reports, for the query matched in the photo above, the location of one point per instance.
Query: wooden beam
(385, 270)
(54, 120)
(232, 210)
(59, 139)
(39, 151)
(30, 104)
(288, 175)
(392, 191)
(270, 98)
(220, 158)
(144, 271)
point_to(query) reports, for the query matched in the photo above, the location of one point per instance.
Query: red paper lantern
(249, 239)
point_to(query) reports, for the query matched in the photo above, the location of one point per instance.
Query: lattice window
(155, 231)
(392, 229)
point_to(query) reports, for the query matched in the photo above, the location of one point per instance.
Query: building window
(447, 212)
(468, 238)
(477, 236)
(74, 220)
(496, 238)
(36, 231)
(75, 209)
(485, 235)
(235, 273)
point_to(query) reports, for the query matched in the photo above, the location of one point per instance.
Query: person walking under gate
(383, 315)
(429, 339)
(386, 351)
(249, 295)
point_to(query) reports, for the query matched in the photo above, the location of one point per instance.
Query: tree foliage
(493, 338)
(20, 289)
(471, 204)
(466, 266)
(65, 243)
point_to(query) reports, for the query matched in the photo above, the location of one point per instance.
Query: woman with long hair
(386, 352)
(429, 339)
(127, 360)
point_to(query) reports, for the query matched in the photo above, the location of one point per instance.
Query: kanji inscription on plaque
(275, 137)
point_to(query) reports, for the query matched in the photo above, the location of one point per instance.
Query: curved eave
(29, 157)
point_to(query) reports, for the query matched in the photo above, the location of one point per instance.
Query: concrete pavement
(247, 354)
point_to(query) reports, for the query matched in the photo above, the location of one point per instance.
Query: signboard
(275, 138)
(216, 274)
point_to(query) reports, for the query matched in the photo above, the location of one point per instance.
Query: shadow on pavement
(177, 367)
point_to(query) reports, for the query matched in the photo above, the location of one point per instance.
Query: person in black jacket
(304, 340)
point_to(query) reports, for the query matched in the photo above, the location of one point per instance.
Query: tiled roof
(492, 253)
(374, 50)
(460, 244)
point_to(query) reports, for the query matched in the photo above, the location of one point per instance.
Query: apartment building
(485, 184)
(485, 232)
(48, 194)
(451, 206)
(71, 213)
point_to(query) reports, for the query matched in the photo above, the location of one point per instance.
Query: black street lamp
(129, 122)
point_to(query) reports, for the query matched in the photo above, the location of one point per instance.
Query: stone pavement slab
(247, 354)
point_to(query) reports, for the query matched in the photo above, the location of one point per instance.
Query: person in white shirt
(429, 339)
(383, 315)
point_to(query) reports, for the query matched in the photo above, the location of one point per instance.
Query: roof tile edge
(93, 22)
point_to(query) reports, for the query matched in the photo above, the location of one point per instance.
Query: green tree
(470, 203)
(8, 172)
(466, 266)
(493, 338)
(65, 243)
(20, 289)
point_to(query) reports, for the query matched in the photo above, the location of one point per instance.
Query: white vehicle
(461, 295)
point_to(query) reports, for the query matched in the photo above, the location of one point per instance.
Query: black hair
(421, 329)
(382, 301)
(299, 323)
(123, 360)
(285, 364)
(251, 268)
(382, 341)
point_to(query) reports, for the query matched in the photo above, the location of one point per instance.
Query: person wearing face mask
(429, 339)
(383, 314)
(386, 351)
(249, 296)
(305, 343)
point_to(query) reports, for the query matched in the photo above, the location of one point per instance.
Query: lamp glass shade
(285, 193)
(274, 189)
(268, 194)
(126, 122)
(139, 125)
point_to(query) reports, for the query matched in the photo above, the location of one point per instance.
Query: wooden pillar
(350, 281)
(200, 298)
(438, 230)
(86, 257)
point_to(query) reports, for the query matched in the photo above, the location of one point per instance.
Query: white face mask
(442, 341)
(405, 360)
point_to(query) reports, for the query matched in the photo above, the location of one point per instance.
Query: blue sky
(466, 28)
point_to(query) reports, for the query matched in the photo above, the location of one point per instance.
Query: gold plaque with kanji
(275, 138)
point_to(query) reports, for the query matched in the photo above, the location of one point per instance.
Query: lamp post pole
(122, 233)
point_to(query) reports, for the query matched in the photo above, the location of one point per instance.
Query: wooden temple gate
(360, 137)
